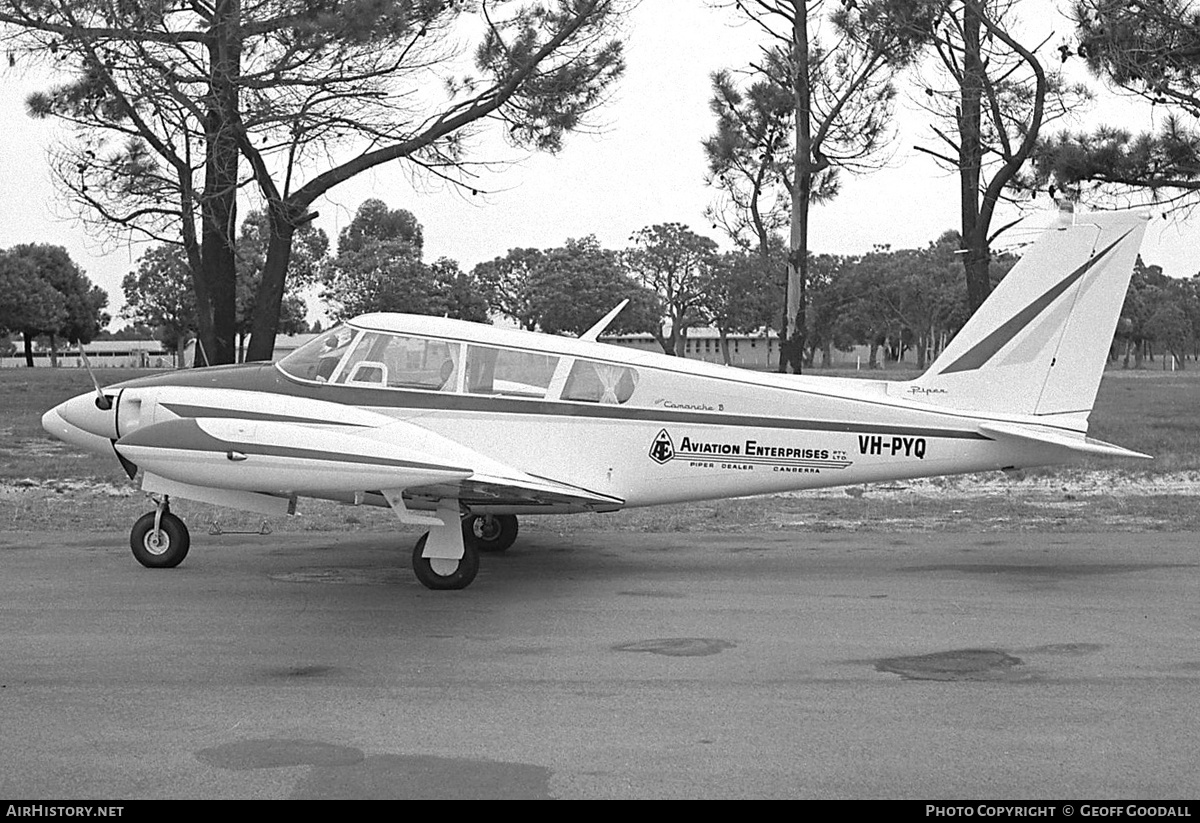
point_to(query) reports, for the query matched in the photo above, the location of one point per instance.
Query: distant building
(748, 351)
(285, 344)
(101, 354)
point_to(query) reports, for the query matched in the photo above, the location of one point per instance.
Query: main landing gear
(444, 558)
(444, 573)
(159, 539)
(480, 533)
(490, 532)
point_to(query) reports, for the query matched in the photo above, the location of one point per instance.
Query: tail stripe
(986, 349)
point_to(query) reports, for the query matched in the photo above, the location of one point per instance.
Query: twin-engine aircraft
(462, 427)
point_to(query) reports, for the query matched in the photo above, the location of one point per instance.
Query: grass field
(48, 484)
(26, 451)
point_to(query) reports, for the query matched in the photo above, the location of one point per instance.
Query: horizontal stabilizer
(1058, 439)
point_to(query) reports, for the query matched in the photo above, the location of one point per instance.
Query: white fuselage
(636, 428)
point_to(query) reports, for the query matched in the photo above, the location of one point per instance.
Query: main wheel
(438, 573)
(163, 549)
(490, 532)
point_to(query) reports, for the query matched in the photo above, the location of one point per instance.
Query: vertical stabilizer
(1038, 344)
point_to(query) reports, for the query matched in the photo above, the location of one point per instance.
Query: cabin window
(318, 359)
(398, 362)
(593, 382)
(508, 372)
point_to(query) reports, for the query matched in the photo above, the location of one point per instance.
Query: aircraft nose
(83, 413)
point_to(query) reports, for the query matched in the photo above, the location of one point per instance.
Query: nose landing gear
(159, 539)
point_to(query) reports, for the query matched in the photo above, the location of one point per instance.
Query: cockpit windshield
(318, 359)
(388, 360)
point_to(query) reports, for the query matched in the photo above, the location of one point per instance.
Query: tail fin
(1038, 344)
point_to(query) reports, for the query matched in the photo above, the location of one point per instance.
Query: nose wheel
(159, 539)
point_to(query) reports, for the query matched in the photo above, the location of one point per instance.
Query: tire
(490, 532)
(460, 578)
(165, 552)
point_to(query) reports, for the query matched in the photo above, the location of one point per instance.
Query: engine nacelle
(285, 458)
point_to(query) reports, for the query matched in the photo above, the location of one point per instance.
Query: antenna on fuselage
(593, 334)
(102, 403)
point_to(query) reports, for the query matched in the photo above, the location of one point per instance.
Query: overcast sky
(642, 165)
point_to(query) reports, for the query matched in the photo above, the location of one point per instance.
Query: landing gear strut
(159, 539)
(440, 573)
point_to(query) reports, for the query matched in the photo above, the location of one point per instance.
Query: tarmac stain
(669, 595)
(1068, 648)
(352, 577)
(301, 671)
(274, 754)
(960, 664)
(1065, 570)
(345, 773)
(424, 777)
(677, 646)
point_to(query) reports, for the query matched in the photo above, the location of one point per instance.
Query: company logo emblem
(662, 449)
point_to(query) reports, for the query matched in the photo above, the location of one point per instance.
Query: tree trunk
(665, 341)
(218, 269)
(977, 264)
(28, 349)
(791, 344)
(269, 302)
(970, 161)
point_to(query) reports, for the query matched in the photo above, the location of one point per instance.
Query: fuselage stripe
(399, 399)
(184, 410)
(188, 435)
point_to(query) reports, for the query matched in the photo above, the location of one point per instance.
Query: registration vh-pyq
(462, 427)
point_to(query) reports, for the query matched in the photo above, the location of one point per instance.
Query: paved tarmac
(595, 665)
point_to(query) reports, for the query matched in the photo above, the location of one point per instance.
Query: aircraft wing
(484, 493)
(281, 458)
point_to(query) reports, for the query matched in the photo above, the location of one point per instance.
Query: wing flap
(485, 493)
